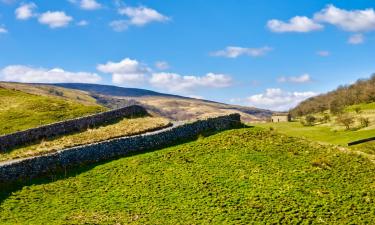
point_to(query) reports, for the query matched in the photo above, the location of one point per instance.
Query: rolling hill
(170, 106)
(173, 107)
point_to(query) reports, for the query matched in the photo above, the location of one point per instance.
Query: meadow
(20, 111)
(240, 176)
(124, 127)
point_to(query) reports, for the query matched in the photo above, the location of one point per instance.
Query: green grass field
(320, 133)
(242, 176)
(20, 111)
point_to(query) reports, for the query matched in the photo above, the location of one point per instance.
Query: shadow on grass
(6, 190)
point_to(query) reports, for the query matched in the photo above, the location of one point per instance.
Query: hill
(20, 110)
(239, 176)
(361, 92)
(170, 106)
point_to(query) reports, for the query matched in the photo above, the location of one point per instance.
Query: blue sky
(268, 54)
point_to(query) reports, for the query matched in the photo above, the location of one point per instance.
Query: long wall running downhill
(25, 169)
(65, 127)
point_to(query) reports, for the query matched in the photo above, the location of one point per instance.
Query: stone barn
(281, 117)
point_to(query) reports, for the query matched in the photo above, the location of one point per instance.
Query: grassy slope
(236, 177)
(125, 127)
(19, 110)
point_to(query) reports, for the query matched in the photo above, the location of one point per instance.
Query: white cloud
(119, 25)
(304, 78)
(3, 30)
(87, 4)
(20, 73)
(55, 19)
(356, 39)
(25, 11)
(353, 20)
(299, 24)
(140, 16)
(234, 52)
(127, 71)
(323, 53)
(277, 99)
(82, 23)
(162, 65)
(177, 83)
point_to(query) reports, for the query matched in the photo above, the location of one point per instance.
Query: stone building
(281, 117)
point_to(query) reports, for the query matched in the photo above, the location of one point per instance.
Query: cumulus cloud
(55, 19)
(140, 16)
(162, 65)
(127, 71)
(356, 39)
(87, 4)
(323, 53)
(304, 78)
(301, 24)
(348, 20)
(234, 52)
(177, 83)
(277, 99)
(20, 73)
(3, 30)
(119, 25)
(25, 11)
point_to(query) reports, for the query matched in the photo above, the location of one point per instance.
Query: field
(322, 133)
(20, 111)
(240, 176)
(124, 127)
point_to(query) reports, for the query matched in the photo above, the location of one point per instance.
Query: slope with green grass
(20, 110)
(240, 176)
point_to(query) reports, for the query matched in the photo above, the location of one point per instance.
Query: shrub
(310, 120)
(357, 109)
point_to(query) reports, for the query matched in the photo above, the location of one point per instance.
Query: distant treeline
(362, 91)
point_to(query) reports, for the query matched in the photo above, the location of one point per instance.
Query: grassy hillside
(20, 110)
(239, 176)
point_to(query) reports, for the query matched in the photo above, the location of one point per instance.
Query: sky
(269, 54)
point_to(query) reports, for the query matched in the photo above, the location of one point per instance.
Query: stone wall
(25, 169)
(65, 127)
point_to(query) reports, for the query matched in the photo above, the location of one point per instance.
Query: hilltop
(173, 107)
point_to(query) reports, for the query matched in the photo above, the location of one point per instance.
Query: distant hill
(362, 91)
(173, 107)
(170, 106)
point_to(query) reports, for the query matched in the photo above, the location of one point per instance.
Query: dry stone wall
(25, 169)
(65, 127)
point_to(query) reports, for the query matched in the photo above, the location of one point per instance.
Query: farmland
(240, 176)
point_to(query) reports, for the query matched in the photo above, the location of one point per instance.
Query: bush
(358, 109)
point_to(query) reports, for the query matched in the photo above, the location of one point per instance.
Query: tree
(358, 109)
(336, 107)
(345, 120)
